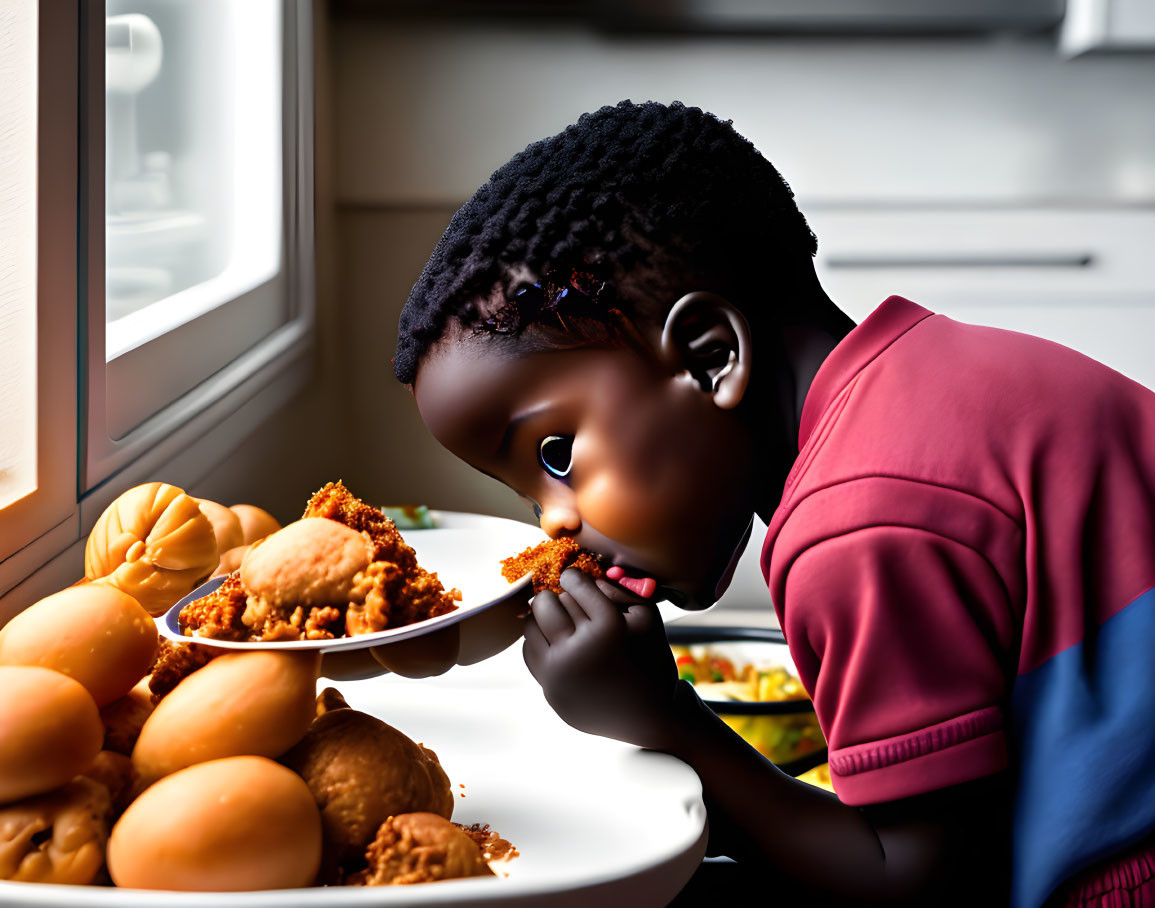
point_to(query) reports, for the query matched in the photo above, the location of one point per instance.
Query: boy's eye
(556, 455)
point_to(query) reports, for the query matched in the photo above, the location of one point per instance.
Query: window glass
(193, 151)
(18, 107)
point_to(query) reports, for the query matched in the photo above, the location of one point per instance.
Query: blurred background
(991, 160)
(276, 172)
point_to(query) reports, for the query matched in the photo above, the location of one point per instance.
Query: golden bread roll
(362, 771)
(49, 730)
(231, 560)
(240, 823)
(93, 633)
(310, 562)
(247, 703)
(226, 524)
(255, 522)
(153, 543)
(56, 837)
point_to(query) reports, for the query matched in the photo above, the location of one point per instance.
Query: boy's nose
(560, 520)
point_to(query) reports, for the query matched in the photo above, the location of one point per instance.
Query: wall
(424, 112)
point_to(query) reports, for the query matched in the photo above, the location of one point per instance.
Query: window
(195, 225)
(156, 254)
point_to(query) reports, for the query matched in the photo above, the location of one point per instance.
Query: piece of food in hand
(56, 837)
(123, 718)
(50, 730)
(153, 543)
(420, 848)
(93, 633)
(410, 517)
(362, 771)
(240, 823)
(256, 523)
(226, 524)
(248, 703)
(548, 560)
(343, 569)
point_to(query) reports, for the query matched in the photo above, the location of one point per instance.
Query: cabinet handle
(1025, 260)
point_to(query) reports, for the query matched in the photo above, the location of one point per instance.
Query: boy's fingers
(534, 647)
(589, 595)
(552, 617)
(641, 616)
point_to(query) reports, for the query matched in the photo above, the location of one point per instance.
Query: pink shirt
(968, 505)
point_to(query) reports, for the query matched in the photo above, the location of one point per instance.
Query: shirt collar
(886, 324)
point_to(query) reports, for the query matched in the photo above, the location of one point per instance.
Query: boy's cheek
(618, 509)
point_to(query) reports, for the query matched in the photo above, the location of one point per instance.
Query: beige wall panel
(391, 457)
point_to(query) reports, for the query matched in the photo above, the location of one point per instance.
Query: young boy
(624, 325)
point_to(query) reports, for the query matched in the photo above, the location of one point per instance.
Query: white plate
(465, 552)
(596, 822)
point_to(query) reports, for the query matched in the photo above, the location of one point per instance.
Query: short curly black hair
(627, 186)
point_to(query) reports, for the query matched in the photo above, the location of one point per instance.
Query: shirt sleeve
(905, 640)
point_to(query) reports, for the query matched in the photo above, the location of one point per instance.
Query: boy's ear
(707, 338)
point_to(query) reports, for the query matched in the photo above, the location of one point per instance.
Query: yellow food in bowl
(780, 737)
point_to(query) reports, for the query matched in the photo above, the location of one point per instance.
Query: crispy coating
(492, 846)
(58, 837)
(392, 591)
(175, 662)
(219, 614)
(337, 503)
(421, 848)
(548, 560)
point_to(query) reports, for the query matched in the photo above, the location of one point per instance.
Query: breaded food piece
(57, 837)
(361, 771)
(548, 560)
(219, 614)
(174, 663)
(421, 848)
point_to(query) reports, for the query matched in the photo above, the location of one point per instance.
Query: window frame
(42, 536)
(44, 521)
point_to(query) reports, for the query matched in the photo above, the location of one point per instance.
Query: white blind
(18, 45)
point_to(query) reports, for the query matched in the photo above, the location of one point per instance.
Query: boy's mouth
(643, 586)
(639, 586)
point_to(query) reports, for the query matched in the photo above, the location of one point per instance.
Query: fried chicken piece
(58, 837)
(421, 848)
(337, 503)
(219, 614)
(362, 771)
(548, 560)
(174, 663)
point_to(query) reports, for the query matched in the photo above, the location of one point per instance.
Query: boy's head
(585, 329)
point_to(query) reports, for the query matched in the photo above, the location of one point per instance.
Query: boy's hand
(604, 670)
